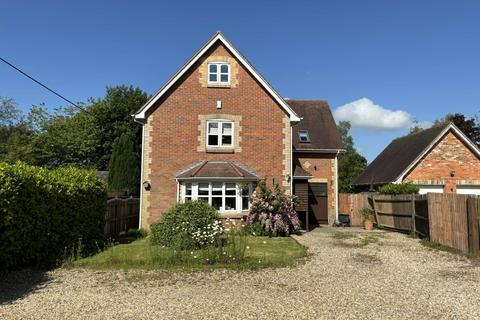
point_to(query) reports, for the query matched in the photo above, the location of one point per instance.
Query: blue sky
(409, 59)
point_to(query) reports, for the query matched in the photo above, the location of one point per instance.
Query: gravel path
(352, 275)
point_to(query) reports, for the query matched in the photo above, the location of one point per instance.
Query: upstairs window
(303, 136)
(220, 133)
(219, 73)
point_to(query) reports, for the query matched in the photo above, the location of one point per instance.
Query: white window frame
(306, 134)
(238, 194)
(219, 65)
(220, 123)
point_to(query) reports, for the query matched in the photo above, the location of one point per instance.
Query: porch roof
(216, 169)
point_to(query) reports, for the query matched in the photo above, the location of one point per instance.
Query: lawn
(245, 253)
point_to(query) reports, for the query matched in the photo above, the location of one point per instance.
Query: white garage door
(430, 189)
(468, 190)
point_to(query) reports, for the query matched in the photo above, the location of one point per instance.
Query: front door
(318, 202)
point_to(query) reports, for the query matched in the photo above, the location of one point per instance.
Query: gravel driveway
(350, 275)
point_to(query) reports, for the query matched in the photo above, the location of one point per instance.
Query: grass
(260, 252)
(357, 240)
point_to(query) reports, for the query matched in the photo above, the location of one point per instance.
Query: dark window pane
(224, 68)
(203, 189)
(244, 203)
(217, 188)
(230, 203)
(188, 189)
(212, 140)
(245, 191)
(212, 77)
(230, 192)
(223, 78)
(188, 199)
(217, 202)
(226, 140)
(213, 68)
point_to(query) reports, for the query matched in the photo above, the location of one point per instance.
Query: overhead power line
(44, 86)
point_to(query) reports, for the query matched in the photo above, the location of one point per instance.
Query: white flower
(264, 242)
(248, 247)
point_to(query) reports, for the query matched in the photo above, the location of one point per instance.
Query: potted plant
(367, 215)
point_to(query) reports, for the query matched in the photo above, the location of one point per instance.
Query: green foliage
(179, 225)
(350, 163)
(273, 210)
(367, 213)
(402, 188)
(122, 175)
(44, 213)
(133, 233)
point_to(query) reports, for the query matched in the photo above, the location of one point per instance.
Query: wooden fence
(449, 219)
(351, 204)
(122, 214)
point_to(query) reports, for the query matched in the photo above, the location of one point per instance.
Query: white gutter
(336, 185)
(291, 160)
(141, 179)
(178, 190)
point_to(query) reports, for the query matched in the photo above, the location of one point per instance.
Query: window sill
(226, 215)
(218, 85)
(219, 150)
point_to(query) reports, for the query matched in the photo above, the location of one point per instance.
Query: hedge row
(45, 213)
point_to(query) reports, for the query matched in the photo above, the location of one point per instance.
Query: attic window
(219, 73)
(303, 136)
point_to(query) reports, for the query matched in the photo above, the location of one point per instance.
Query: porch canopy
(217, 170)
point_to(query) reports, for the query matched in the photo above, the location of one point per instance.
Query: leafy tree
(70, 137)
(122, 175)
(468, 126)
(350, 164)
(416, 127)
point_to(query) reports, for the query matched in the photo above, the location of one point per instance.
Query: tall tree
(350, 164)
(468, 126)
(122, 176)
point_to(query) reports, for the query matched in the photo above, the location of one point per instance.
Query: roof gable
(141, 114)
(404, 153)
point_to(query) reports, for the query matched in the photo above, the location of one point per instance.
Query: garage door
(430, 189)
(468, 190)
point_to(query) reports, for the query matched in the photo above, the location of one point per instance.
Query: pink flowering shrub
(272, 212)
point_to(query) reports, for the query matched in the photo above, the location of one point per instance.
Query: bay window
(223, 196)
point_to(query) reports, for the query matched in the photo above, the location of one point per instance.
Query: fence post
(375, 211)
(414, 226)
(473, 217)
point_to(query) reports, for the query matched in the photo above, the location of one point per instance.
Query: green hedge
(402, 188)
(44, 214)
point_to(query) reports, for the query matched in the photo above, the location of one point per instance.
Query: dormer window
(219, 73)
(303, 136)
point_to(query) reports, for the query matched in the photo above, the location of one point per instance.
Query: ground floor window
(223, 196)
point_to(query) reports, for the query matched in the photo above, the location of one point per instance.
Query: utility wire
(44, 86)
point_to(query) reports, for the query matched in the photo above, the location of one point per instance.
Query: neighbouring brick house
(440, 159)
(217, 127)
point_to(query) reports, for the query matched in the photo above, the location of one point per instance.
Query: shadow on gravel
(18, 284)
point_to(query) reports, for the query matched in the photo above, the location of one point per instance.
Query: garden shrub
(44, 213)
(402, 188)
(190, 225)
(274, 211)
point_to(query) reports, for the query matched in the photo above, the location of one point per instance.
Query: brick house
(217, 127)
(440, 159)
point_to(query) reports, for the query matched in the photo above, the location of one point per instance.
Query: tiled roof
(397, 156)
(217, 169)
(300, 172)
(319, 122)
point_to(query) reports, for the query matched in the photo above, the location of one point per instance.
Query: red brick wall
(450, 154)
(321, 166)
(175, 134)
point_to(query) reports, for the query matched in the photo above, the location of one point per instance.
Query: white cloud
(364, 113)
